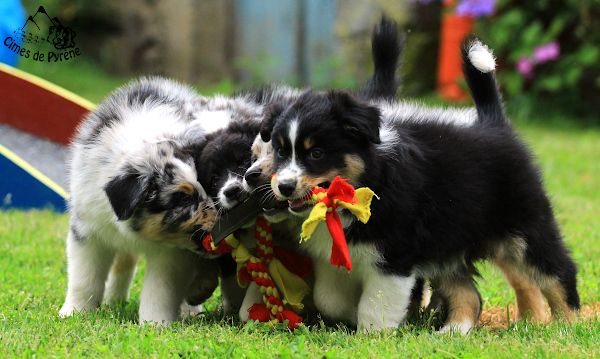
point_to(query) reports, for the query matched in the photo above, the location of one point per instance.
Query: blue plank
(19, 189)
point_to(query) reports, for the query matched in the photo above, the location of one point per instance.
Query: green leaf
(572, 75)
(551, 83)
(531, 35)
(588, 54)
(513, 82)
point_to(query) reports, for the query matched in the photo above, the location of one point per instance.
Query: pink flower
(547, 52)
(525, 67)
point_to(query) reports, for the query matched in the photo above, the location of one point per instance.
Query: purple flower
(525, 67)
(475, 8)
(547, 52)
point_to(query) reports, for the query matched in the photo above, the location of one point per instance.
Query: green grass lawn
(33, 280)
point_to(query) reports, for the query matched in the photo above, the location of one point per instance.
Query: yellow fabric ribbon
(361, 209)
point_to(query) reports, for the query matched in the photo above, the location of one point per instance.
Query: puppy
(383, 85)
(223, 159)
(455, 187)
(134, 190)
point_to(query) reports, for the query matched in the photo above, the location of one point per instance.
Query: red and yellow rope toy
(271, 276)
(267, 271)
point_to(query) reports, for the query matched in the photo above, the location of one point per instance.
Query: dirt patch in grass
(498, 318)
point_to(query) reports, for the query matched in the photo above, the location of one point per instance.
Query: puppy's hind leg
(463, 303)
(88, 263)
(547, 262)
(530, 301)
(169, 272)
(120, 277)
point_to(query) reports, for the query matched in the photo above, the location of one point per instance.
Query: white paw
(156, 321)
(67, 310)
(190, 310)
(463, 328)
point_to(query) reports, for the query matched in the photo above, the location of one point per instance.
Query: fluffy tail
(386, 46)
(478, 66)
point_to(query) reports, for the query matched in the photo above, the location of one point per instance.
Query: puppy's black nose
(233, 192)
(252, 177)
(287, 188)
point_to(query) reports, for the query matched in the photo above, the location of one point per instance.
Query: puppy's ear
(358, 119)
(271, 114)
(125, 192)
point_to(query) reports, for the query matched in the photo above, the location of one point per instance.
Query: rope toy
(268, 273)
(339, 194)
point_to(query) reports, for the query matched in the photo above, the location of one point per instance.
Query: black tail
(478, 67)
(386, 46)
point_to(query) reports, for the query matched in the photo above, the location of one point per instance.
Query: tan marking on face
(308, 143)
(256, 146)
(205, 217)
(152, 227)
(266, 167)
(280, 139)
(462, 298)
(308, 182)
(187, 188)
(355, 167)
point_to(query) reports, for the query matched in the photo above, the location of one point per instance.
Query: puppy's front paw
(188, 310)
(67, 310)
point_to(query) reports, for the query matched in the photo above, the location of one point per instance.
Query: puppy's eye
(281, 152)
(316, 154)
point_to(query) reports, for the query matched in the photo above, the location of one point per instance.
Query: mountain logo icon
(41, 28)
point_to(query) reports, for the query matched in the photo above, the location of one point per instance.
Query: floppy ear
(271, 114)
(358, 119)
(125, 193)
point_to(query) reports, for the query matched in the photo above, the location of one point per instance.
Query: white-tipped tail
(481, 57)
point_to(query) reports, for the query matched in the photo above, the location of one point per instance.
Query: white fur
(225, 202)
(253, 296)
(263, 152)
(364, 296)
(481, 57)
(96, 236)
(212, 121)
(463, 327)
(292, 170)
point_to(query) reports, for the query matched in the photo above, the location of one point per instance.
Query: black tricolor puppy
(226, 155)
(456, 186)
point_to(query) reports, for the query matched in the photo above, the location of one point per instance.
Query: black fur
(450, 195)
(225, 151)
(484, 89)
(386, 47)
(125, 193)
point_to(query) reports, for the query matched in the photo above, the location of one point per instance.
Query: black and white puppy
(456, 186)
(134, 190)
(386, 49)
(222, 161)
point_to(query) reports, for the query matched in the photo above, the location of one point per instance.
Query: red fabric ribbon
(339, 190)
